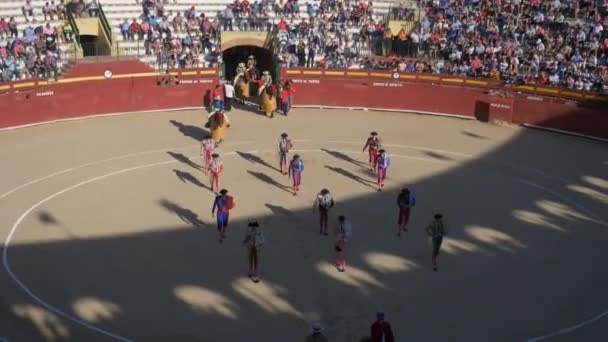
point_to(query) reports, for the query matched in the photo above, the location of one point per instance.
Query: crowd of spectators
(34, 52)
(554, 42)
(188, 39)
(335, 34)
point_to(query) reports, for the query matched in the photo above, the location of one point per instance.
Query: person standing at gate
(372, 144)
(216, 166)
(254, 240)
(208, 145)
(436, 231)
(405, 201)
(284, 146)
(324, 201)
(343, 234)
(296, 167)
(228, 95)
(222, 205)
(382, 163)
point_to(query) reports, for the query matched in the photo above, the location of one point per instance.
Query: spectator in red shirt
(135, 29)
(3, 28)
(381, 330)
(285, 101)
(282, 25)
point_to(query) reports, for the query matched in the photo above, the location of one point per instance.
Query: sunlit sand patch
(457, 246)
(387, 263)
(561, 210)
(49, 325)
(206, 301)
(266, 296)
(593, 194)
(599, 182)
(494, 237)
(95, 310)
(536, 219)
(353, 276)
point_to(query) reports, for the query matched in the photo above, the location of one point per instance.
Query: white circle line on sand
(99, 330)
(29, 292)
(569, 329)
(97, 162)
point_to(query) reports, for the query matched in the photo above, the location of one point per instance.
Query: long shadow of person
(436, 155)
(252, 158)
(351, 175)
(180, 157)
(282, 211)
(268, 180)
(188, 177)
(194, 132)
(186, 215)
(345, 157)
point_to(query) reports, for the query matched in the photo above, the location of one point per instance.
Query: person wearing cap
(216, 166)
(344, 231)
(372, 144)
(382, 163)
(436, 231)
(381, 330)
(405, 201)
(284, 146)
(324, 201)
(296, 166)
(316, 334)
(254, 240)
(222, 205)
(208, 145)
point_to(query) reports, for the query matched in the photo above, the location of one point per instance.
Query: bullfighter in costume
(242, 81)
(266, 81)
(268, 94)
(240, 72)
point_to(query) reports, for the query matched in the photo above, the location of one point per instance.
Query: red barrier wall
(316, 88)
(35, 101)
(45, 102)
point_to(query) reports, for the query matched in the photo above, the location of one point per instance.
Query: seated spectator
(135, 30)
(125, 30)
(93, 8)
(48, 11)
(4, 31)
(28, 10)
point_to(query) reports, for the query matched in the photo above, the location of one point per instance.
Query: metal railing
(104, 23)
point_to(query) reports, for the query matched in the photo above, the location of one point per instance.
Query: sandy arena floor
(107, 233)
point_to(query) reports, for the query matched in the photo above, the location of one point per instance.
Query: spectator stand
(35, 39)
(176, 33)
(332, 34)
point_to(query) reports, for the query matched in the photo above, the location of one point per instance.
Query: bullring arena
(107, 231)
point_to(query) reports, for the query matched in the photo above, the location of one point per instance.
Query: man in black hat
(436, 231)
(372, 144)
(284, 146)
(222, 205)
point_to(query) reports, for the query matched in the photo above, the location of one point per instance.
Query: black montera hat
(223, 191)
(381, 150)
(215, 155)
(374, 133)
(438, 216)
(284, 135)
